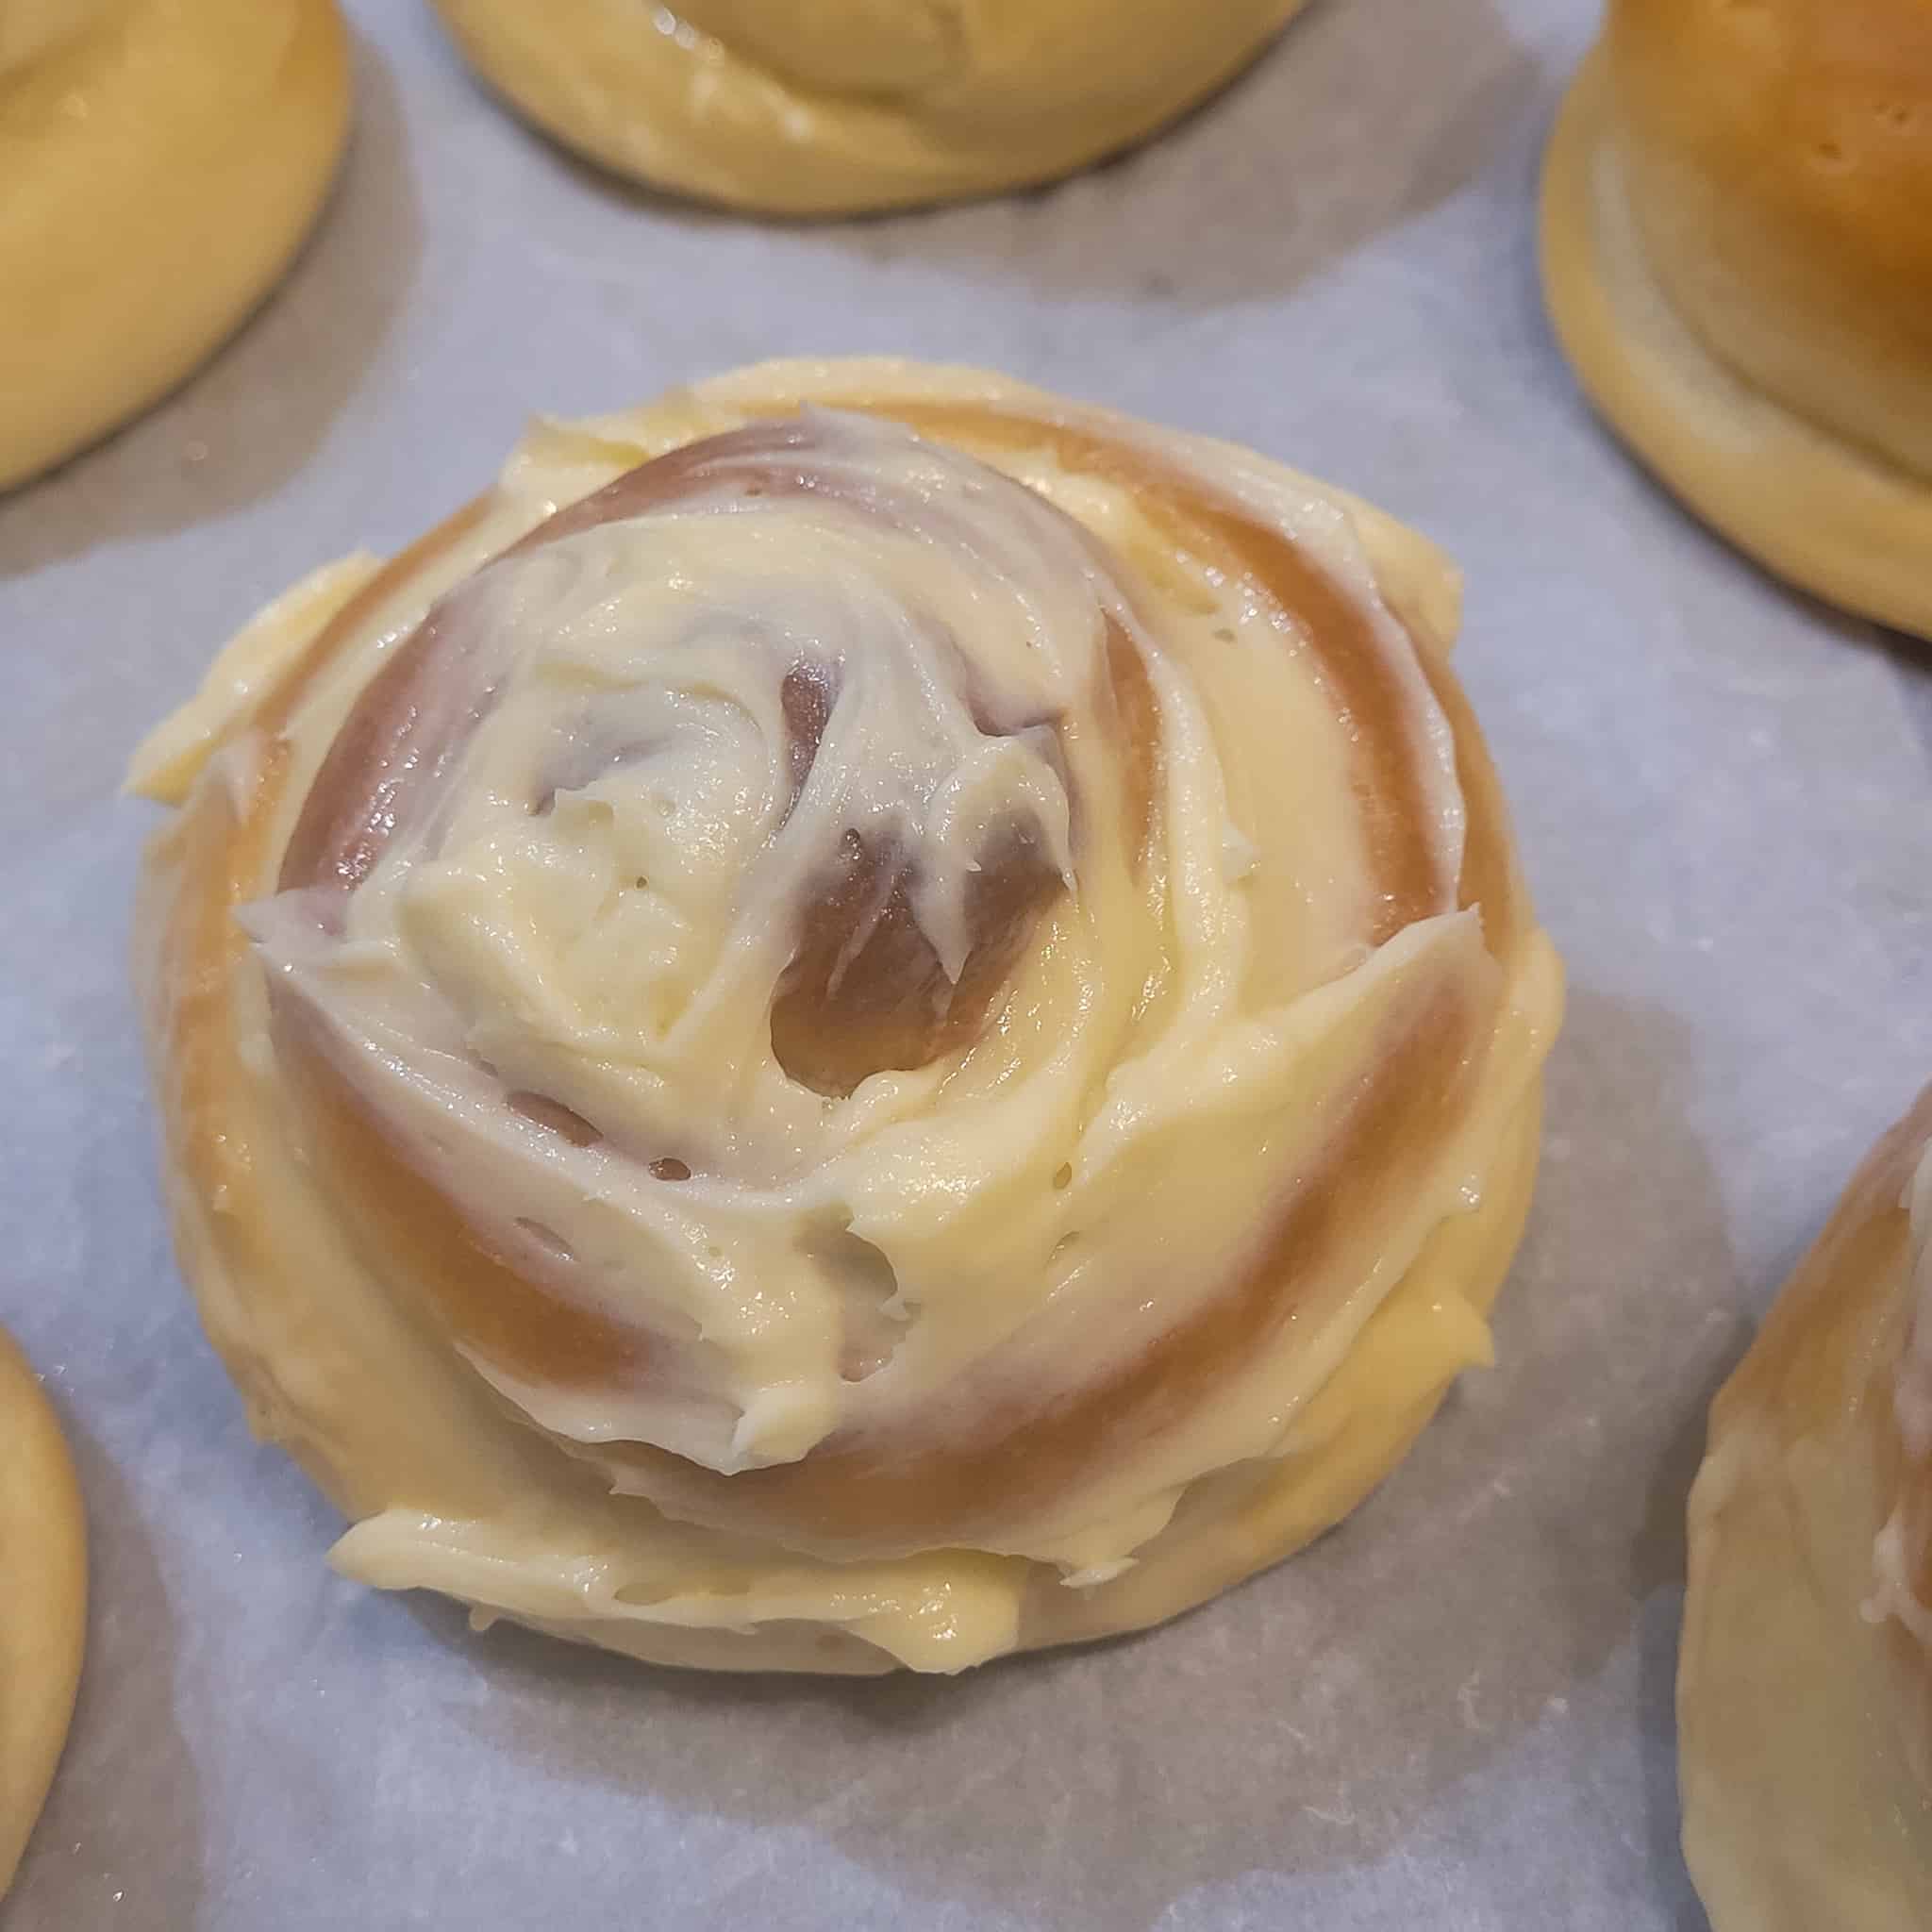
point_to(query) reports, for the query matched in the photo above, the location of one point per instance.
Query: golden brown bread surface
(1805, 1693)
(43, 1600)
(162, 159)
(1736, 234)
(1778, 159)
(831, 107)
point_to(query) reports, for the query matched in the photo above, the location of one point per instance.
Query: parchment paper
(1456, 1711)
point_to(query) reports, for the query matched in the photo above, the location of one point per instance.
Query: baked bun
(1805, 1693)
(1737, 257)
(834, 107)
(42, 1601)
(161, 162)
(906, 1030)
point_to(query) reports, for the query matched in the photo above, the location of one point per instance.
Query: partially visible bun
(1738, 232)
(161, 162)
(1778, 159)
(837, 107)
(42, 1601)
(1805, 1692)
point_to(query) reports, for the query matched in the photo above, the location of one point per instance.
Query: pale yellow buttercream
(161, 160)
(43, 1600)
(837, 105)
(617, 949)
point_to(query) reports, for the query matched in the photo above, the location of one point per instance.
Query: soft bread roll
(161, 160)
(1805, 1690)
(42, 1601)
(1738, 258)
(831, 107)
(906, 1031)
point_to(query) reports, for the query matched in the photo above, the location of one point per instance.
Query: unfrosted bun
(161, 161)
(1738, 237)
(1805, 1693)
(834, 107)
(43, 1600)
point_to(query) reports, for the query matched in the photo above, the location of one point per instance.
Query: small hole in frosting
(1063, 1175)
(668, 1168)
(864, 1288)
(544, 1112)
(547, 1238)
(1224, 633)
(642, 883)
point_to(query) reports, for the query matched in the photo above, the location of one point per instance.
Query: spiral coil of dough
(1805, 1696)
(905, 1029)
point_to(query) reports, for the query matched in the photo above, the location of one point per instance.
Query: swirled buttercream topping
(783, 901)
(862, 1002)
